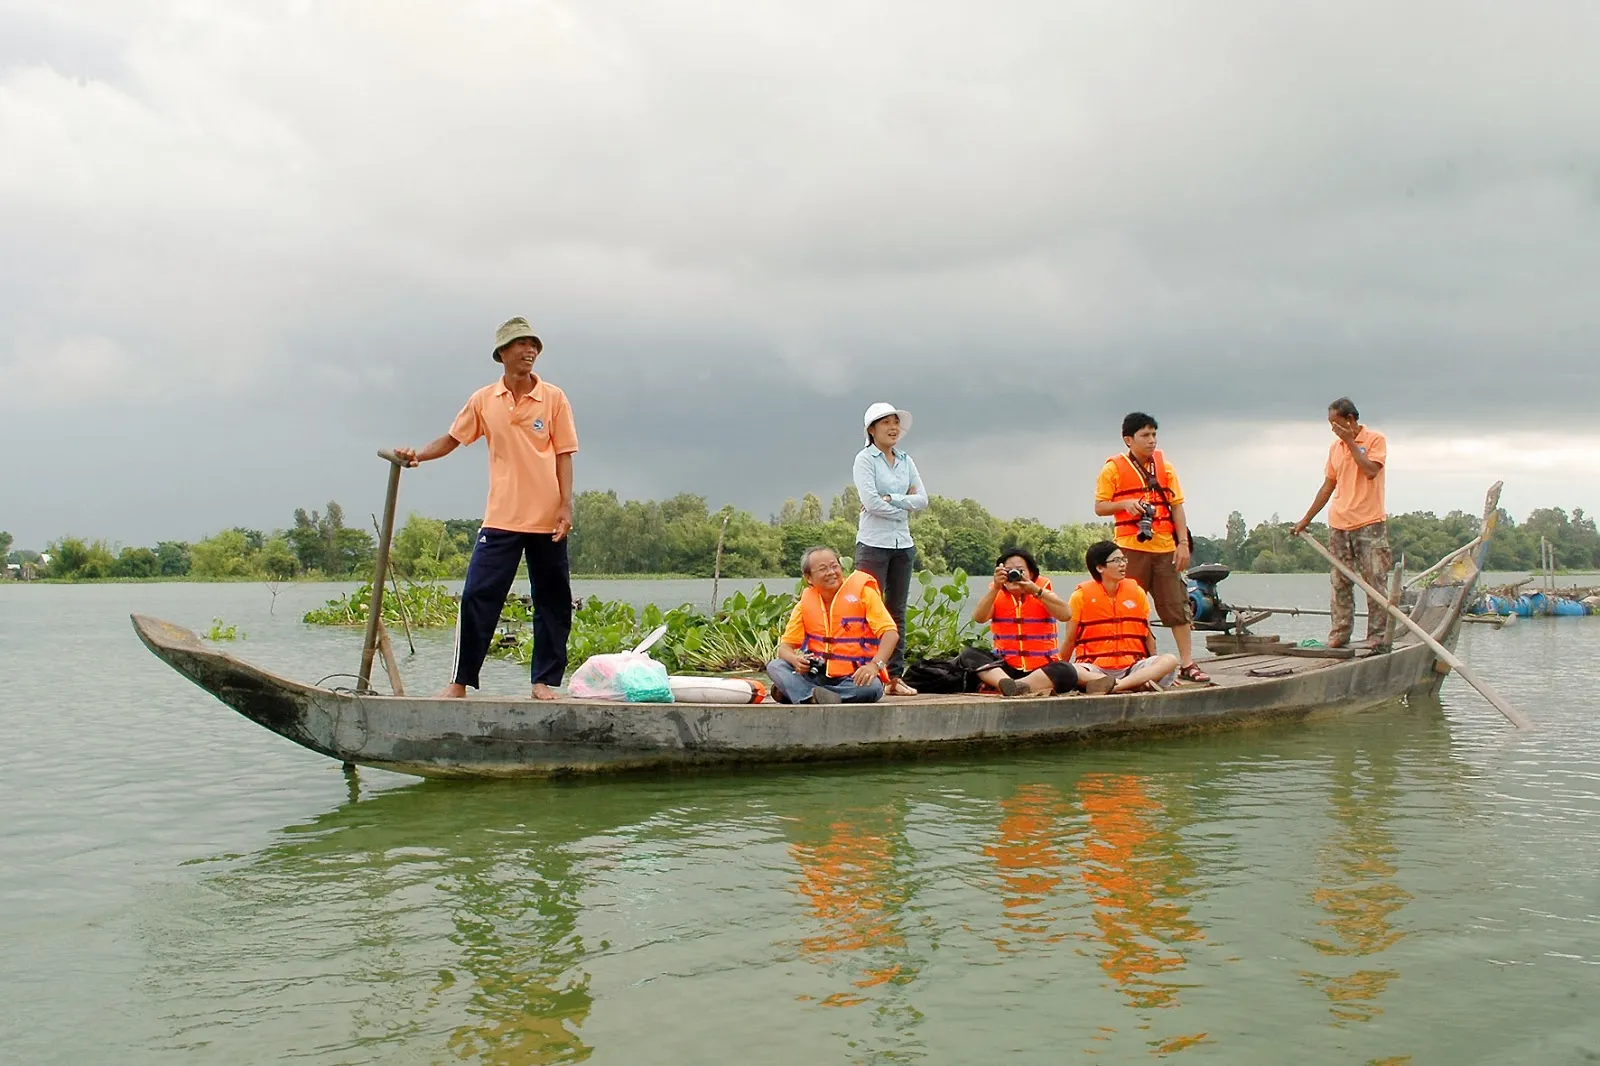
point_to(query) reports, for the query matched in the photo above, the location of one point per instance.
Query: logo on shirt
(1129, 603)
(538, 425)
(852, 599)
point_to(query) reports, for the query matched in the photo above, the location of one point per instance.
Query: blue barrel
(1566, 608)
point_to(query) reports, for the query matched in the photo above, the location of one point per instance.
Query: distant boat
(1256, 679)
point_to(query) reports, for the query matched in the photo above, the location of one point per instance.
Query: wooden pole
(405, 615)
(1514, 716)
(1446, 561)
(390, 666)
(716, 569)
(369, 643)
(1395, 585)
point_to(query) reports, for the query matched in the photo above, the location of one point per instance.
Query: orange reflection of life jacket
(1112, 630)
(839, 632)
(1131, 485)
(1024, 631)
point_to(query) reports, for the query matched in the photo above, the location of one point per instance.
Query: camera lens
(1013, 574)
(1146, 528)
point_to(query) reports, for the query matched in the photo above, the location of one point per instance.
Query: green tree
(1233, 545)
(5, 545)
(136, 562)
(355, 552)
(972, 550)
(76, 559)
(846, 506)
(222, 555)
(173, 558)
(277, 559)
(811, 509)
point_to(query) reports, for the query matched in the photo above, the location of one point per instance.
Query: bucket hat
(510, 330)
(884, 410)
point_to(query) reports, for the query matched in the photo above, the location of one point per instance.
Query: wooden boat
(1255, 679)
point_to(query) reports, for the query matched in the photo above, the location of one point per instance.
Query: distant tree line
(679, 536)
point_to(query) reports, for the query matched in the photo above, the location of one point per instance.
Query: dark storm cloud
(242, 247)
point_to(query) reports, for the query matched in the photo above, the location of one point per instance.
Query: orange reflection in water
(1028, 856)
(849, 880)
(1358, 893)
(1135, 875)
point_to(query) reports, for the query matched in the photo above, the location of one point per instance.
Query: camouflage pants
(1366, 551)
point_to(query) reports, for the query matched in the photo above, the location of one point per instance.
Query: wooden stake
(1514, 716)
(716, 569)
(390, 666)
(1395, 585)
(369, 643)
(405, 614)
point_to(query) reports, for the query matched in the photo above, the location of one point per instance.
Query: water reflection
(1028, 856)
(852, 884)
(1137, 878)
(1358, 892)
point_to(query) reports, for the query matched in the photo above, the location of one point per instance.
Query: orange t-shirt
(1357, 498)
(525, 436)
(1105, 487)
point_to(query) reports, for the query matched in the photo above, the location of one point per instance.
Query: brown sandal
(1193, 673)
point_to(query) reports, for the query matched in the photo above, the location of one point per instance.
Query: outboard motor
(1205, 601)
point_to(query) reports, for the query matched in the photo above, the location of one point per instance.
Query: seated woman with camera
(1023, 611)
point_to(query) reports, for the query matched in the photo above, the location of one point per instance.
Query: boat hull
(487, 737)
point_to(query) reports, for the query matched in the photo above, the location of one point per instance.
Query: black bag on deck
(958, 673)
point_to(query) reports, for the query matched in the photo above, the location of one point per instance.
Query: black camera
(1014, 574)
(1146, 527)
(819, 664)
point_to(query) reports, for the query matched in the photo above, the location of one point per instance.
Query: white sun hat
(884, 410)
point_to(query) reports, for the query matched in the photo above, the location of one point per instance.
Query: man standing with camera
(1141, 489)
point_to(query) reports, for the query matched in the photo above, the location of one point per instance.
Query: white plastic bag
(627, 676)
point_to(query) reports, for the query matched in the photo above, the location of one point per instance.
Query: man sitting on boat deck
(1108, 634)
(1022, 611)
(838, 639)
(1358, 530)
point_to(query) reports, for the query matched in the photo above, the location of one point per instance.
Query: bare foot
(545, 692)
(453, 692)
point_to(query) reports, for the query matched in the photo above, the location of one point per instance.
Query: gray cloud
(242, 248)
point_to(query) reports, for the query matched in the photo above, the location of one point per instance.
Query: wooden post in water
(1396, 583)
(716, 568)
(1514, 716)
(369, 643)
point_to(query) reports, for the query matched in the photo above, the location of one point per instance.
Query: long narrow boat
(1256, 680)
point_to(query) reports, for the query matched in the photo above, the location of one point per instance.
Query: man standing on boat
(1141, 489)
(532, 439)
(1358, 530)
(839, 637)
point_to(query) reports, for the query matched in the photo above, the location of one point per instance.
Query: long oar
(1514, 716)
(369, 643)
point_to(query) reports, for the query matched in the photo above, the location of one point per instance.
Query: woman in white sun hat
(890, 489)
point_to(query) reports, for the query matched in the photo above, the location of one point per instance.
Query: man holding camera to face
(1023, 612)
(1141, 489)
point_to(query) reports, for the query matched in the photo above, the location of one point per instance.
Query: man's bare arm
(434, 449)
(1324, 494)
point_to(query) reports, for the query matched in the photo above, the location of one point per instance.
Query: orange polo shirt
(525, 436)
(1357, 498)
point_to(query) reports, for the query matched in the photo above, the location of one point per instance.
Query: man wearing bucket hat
(890, 489)
(531, 438)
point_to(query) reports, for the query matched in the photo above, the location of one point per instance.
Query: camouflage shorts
(1366, 551)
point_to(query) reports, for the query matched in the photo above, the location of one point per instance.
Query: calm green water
(1414, 885)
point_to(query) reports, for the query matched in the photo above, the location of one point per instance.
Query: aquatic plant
(426, 605)
(938, 624)
(221, 631)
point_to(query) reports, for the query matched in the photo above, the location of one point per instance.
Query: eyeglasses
(1116, 560)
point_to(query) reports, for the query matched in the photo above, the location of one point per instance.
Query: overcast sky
(243, 245)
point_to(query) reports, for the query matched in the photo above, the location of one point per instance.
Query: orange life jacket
(1024, 631)
(839, 632)
(1112, 629)
(1131, 485)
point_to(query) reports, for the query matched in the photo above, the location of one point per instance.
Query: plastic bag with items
(627, 676)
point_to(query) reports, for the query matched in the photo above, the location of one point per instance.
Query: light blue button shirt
(887, 523)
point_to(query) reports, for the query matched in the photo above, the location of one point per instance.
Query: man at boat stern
(838, 638)
(531, 438)
(1358, 530)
